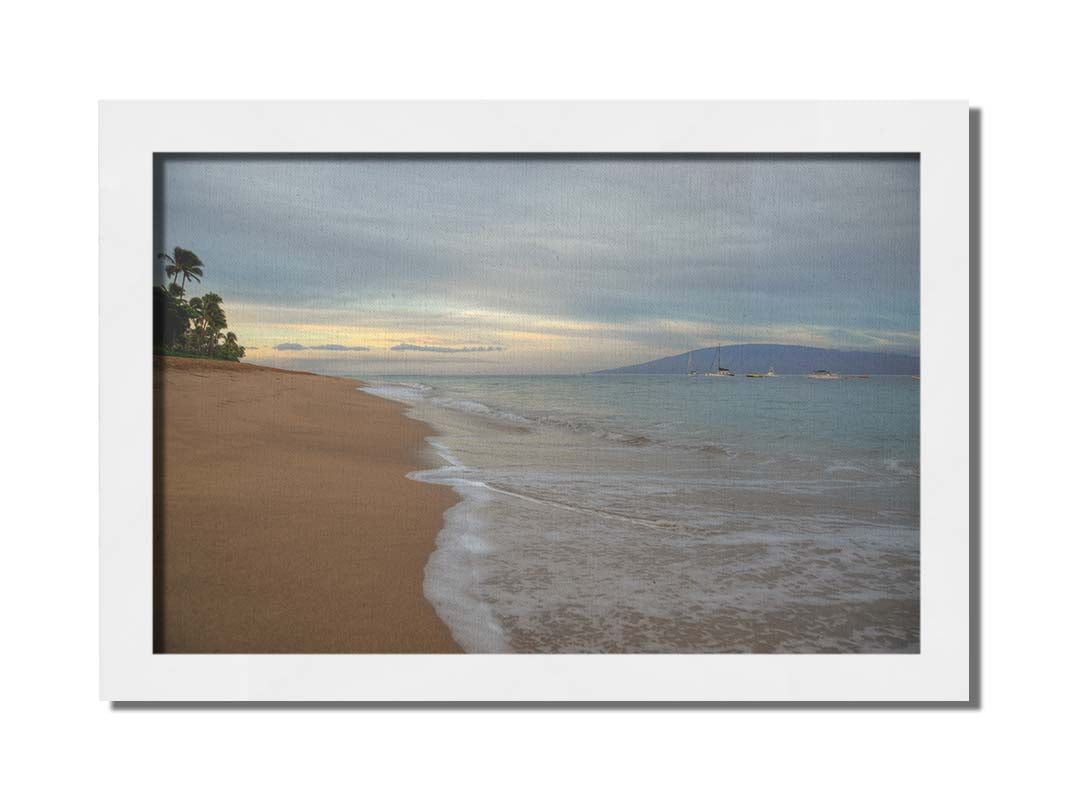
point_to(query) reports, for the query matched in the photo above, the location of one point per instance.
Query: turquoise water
(674, 514)
(878, 416)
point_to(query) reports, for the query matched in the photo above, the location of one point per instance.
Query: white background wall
(58, 60)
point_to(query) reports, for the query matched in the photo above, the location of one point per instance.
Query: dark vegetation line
(194, 328)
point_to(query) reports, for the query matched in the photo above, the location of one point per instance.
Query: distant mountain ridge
(786, 360)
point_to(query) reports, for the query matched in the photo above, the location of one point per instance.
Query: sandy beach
(284, 521)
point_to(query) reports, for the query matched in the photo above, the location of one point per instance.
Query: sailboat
(689, 366)
(721, 371)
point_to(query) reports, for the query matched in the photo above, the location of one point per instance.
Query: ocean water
(668, 514)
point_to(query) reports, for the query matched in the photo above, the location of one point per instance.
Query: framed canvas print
(534, 401)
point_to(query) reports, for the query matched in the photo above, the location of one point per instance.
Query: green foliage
(229, 349)
(194, 327)
(171, 317)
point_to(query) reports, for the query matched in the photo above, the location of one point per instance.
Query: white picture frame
(132, 132)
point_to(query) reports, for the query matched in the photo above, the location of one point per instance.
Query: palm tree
(209, 320)
(185, 263)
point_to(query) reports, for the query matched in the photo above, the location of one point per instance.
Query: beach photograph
(588, 404)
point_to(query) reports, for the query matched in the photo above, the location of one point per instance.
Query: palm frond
(187, 258)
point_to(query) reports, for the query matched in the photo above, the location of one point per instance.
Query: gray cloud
(296, 346)
(432, 349)
(826, 242)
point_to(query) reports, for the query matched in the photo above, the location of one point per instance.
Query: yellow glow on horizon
(528, 338)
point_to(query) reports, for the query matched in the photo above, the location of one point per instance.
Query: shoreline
(284, 518)
(550, 546)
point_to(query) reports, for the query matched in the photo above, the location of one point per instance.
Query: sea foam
(648, 515)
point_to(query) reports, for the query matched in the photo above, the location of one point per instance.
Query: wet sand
(284, 522)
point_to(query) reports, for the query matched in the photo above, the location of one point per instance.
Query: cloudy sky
(496, 265)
